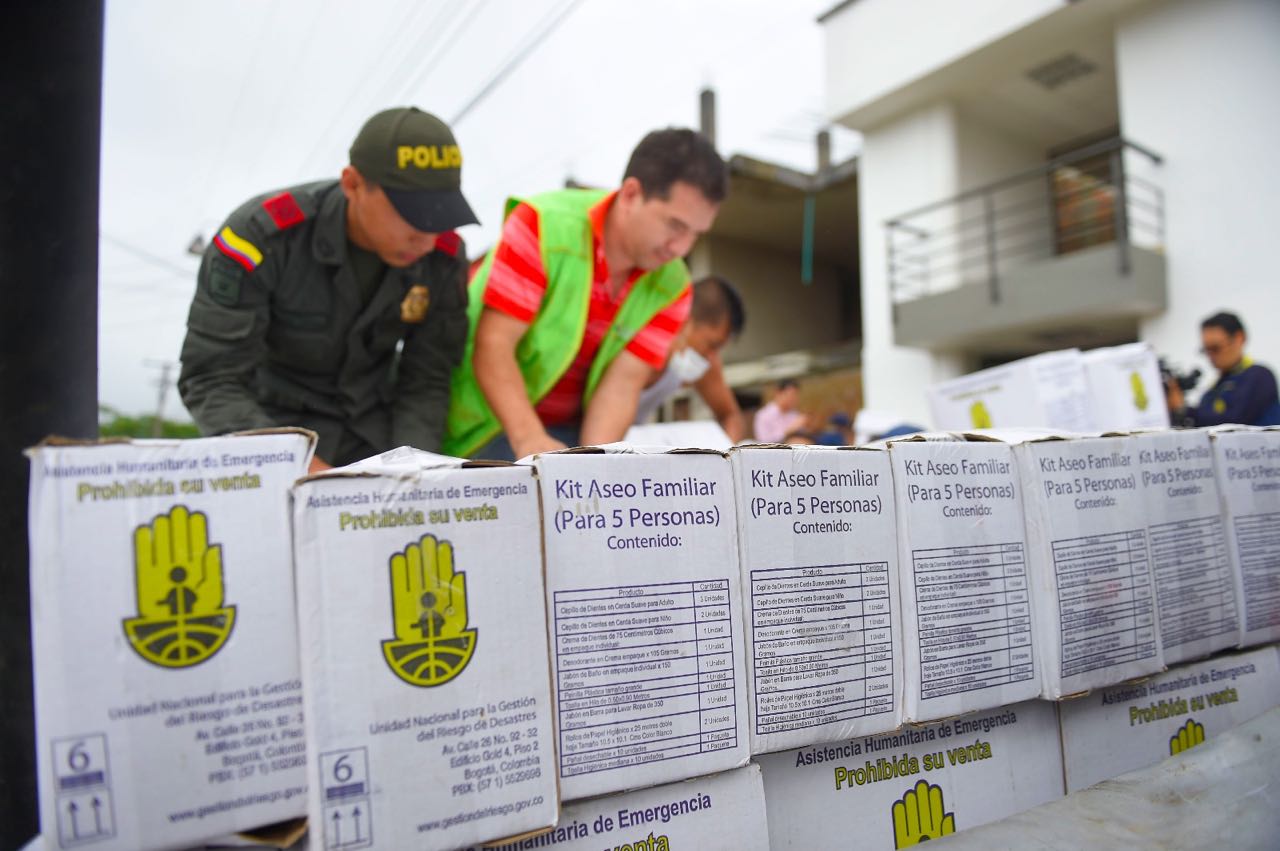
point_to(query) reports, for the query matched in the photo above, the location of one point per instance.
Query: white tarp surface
(1224, 793)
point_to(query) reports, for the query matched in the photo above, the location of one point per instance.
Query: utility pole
(707, 114)
(51, 87)
(163, 383)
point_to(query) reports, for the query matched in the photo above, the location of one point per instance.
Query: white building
(1044, 173)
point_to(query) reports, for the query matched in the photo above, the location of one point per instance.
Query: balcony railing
(1104, 193)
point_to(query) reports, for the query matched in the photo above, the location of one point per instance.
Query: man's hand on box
(541, 442)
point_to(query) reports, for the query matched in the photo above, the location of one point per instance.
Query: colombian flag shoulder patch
(238, 248)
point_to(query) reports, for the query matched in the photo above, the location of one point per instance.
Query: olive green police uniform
(294, 325)
(296, 340)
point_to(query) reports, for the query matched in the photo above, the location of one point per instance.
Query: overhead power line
(123, 286)
(230, 126)
(514, 61)
(448, 40)
(403, 32)
(147, 256)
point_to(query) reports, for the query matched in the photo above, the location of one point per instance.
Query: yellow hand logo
(181, 618)
(979, 415)
(1140, 400)
(429, 607)
(921, 816)
(1188, 736)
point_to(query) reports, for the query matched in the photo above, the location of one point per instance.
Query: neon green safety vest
(550, 345)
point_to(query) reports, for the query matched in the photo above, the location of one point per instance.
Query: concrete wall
(907, 163)
(1023, 228)
(699, 259)
(783, 314)
(876, 46)
(1197, 83)
(983, 155)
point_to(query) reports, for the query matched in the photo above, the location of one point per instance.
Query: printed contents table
(973, 614)
(1104, 600)
(644, 673)
(823, 644)
(1258, 540)
(1193, 582)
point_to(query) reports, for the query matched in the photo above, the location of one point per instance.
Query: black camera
(1184, 380)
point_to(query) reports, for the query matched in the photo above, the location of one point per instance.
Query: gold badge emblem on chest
(414, 307)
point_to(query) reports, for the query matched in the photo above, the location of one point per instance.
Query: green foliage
(112, 423)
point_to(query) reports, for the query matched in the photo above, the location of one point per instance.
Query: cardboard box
(1128, 727)
(819, 550)
(1247, 462)
(1125, 389)
(646, 618)
(285, 834)
(895, 790)
(690, 434)
(968, 635)
(1043, 391)
(1090, 563)
(723, 810)
(168, 704)
(426, 678)
(1195, 587)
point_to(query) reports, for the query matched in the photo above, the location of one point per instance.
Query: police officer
(339, 306)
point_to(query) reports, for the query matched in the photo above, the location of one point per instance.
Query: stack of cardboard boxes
(168, 691)
(615, 647)
(1112, 388)
(422, 632)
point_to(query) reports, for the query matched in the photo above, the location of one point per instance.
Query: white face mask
(688, 365)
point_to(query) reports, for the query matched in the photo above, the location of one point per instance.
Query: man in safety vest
(574, 310)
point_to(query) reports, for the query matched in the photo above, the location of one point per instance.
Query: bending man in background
(716, 319)
(575, 309)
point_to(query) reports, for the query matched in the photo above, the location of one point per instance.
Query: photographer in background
(1245, 392)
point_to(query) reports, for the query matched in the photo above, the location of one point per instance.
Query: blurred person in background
(780, 418)
(715, 320)
(839, 431)
(1244, 393)
(798, 437)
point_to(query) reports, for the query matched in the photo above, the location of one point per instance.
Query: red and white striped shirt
(518, 283)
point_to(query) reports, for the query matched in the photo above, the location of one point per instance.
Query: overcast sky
(206, 105)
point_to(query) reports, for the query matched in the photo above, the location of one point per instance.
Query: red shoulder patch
(449, 243)
(283, 210)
